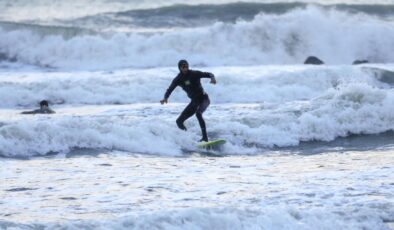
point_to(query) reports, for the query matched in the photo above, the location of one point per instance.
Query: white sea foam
(115, 190)
(252, 108)
(257, 84)
(334, 36)
(227, 218)
(357, 109)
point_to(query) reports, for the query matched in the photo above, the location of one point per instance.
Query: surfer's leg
(186, 114)
(204, 104)
(202, 126)
(201, 108)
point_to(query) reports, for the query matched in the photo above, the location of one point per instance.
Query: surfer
(44, 109)
(189, 81)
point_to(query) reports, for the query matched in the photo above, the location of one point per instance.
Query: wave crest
(334, 36)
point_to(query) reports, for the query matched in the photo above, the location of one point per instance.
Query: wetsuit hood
(181, 63)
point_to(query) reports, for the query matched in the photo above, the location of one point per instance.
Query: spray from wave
(336, 37)
(275, 109)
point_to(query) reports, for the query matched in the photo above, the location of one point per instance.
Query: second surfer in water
(190, 82)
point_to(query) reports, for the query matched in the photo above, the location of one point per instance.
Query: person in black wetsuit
(190, 82)
(44, 109)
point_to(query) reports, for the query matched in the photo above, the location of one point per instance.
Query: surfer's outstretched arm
(171, 88)
(213, 80)
(207, 75)
(211, 76)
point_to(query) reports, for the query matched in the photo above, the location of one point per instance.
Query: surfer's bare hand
(213, 80)
(164, 101)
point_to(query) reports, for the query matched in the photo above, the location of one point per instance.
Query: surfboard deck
(211, 144)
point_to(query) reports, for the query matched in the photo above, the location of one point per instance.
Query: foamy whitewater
(308, 146)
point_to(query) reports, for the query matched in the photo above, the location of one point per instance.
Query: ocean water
(308, 147)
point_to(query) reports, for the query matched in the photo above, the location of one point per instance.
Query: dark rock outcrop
(358, 62)
(5, 57)
(312, 60)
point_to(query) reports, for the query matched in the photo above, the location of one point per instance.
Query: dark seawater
(188, 16)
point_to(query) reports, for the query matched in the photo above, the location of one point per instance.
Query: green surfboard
(211, 144)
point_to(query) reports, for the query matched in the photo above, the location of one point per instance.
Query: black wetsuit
(40, 111)
(191, 84)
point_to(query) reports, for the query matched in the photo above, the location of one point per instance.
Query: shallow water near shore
(348, 190)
